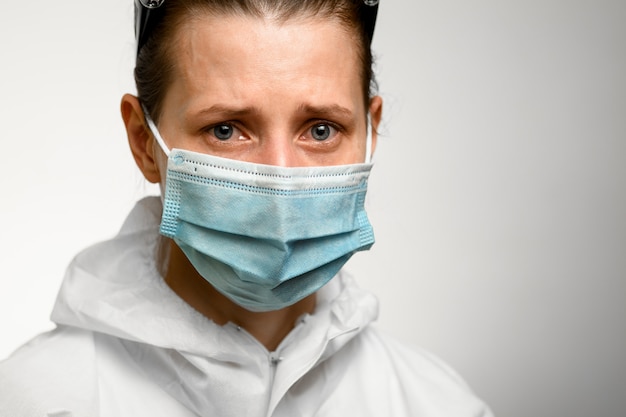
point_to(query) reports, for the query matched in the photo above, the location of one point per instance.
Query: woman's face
(285, 94)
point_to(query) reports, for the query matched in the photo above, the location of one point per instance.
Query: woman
(253, 117)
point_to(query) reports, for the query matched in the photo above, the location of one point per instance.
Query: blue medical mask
(264, 236)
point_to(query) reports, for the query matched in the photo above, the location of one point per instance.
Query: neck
(269, 328)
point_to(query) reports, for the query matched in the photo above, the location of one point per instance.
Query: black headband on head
(368, 10)
(149, 12)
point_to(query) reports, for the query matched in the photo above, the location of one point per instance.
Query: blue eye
(223, 132)
(321, 131)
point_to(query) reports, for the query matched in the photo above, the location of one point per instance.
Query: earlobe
(376, 112)
(139, 138)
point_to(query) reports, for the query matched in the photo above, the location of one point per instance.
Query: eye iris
(320, 132)
(223, 132)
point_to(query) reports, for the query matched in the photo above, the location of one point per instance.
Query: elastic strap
(156, 133)
(368, 141)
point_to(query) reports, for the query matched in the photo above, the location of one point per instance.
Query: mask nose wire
(156, 133)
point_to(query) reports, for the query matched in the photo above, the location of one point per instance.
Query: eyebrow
(326, 110)
(227, 111)
(319, 111)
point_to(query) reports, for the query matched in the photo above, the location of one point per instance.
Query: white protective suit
(127, 346)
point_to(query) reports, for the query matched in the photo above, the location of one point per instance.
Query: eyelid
(212, 126)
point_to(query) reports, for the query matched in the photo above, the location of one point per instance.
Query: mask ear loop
(368, 141)
(155, 133)
(164, 251)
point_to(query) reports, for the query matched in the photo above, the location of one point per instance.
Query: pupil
(320, 132)
(223, 132)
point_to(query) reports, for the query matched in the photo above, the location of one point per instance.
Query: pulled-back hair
(155, 65)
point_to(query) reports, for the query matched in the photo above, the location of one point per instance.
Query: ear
(376, 113)
(140, 139)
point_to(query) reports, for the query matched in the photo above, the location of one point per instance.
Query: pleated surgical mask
(264, 236)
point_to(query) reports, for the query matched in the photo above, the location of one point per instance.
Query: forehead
(253, 59)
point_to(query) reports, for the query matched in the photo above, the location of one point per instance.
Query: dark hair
(155, 67)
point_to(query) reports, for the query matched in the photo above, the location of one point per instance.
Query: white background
(498, 199)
